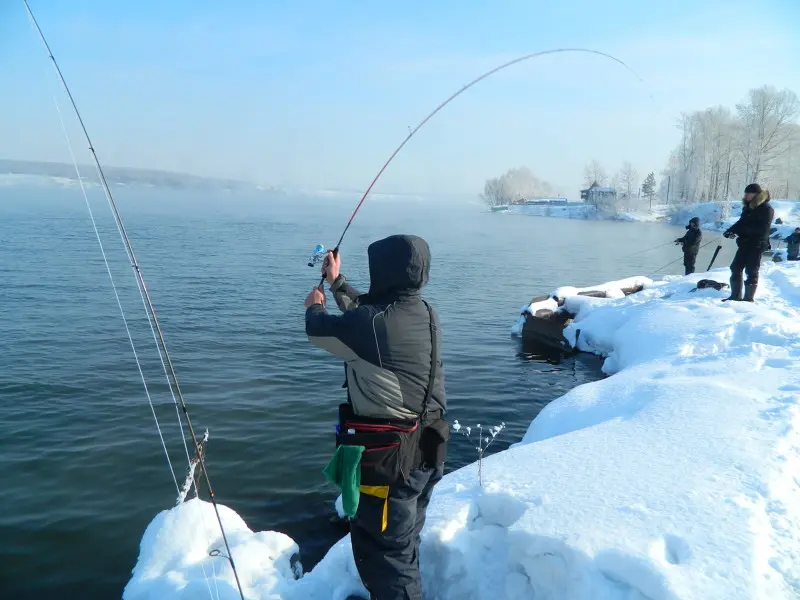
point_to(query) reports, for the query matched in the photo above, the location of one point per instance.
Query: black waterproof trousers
(689, 259)
(388, 561)
(747, 259)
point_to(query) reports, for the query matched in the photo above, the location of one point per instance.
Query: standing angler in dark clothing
(752, 230)
(389, 340)
(691, 244)
(793, 245)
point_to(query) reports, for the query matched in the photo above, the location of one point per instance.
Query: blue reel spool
(318, 256)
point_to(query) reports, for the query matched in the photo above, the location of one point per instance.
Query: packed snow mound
(175, 557)
(675, 478)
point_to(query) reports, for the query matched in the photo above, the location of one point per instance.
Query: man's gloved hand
(315, 296)
(729, 234)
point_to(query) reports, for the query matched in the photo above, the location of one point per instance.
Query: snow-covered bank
(589, 212)
(677, 477)
(715, 216)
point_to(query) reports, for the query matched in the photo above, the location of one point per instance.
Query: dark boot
(750, 292)
(736, 290)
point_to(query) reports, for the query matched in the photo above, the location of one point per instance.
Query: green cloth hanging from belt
(344, 471)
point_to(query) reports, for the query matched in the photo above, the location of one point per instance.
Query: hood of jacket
(398, 266)
(758, 200)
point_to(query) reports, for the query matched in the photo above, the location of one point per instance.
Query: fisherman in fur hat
(752, 233)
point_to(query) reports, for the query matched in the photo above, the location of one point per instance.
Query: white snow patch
(677, 477)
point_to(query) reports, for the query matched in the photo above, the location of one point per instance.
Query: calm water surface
(84, 470)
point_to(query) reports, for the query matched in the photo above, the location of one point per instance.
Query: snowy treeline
(514, 185)
(722, 150)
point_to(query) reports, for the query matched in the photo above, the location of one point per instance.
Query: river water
(83, 468)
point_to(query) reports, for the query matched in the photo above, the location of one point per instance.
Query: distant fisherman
(793, 245)
(391, 437)
(691, 244)
(752, 230)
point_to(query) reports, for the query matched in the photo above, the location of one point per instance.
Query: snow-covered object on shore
(612, 289)
(677, 477)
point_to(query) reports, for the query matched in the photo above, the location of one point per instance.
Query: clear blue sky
(317, 94)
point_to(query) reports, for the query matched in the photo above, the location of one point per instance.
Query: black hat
(695, 220)
(753, 188)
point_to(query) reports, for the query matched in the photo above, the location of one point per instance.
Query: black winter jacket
(691, 241)
(793, 245)
(752, 228)
(384, 336)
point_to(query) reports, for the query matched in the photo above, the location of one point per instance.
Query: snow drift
(677, 477)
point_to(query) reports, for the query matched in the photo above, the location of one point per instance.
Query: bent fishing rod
(320, 252)
(172, 376)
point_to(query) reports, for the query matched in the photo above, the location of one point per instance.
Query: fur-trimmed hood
(758, 200)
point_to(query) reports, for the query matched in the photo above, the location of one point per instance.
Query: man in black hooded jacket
(691, 244)
(386, 338)
(752, 232)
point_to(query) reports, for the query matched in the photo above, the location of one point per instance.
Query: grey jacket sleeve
(337, 334)
(346, 295)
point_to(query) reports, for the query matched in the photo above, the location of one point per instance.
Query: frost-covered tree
(514, 185)
(721, 151)
(594, 172)
(649, 186)
(766, 118)
(494, 192)
(627, 182)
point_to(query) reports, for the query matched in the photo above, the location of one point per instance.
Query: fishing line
(135, 354)
(649, 249)
(145, 297)
(128, 331)
(677, 259)
(116, 295)
(453, 97)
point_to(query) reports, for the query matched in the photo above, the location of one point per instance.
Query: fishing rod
(681, 258)
(320, 253)
(716, 252)
(172, 376)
